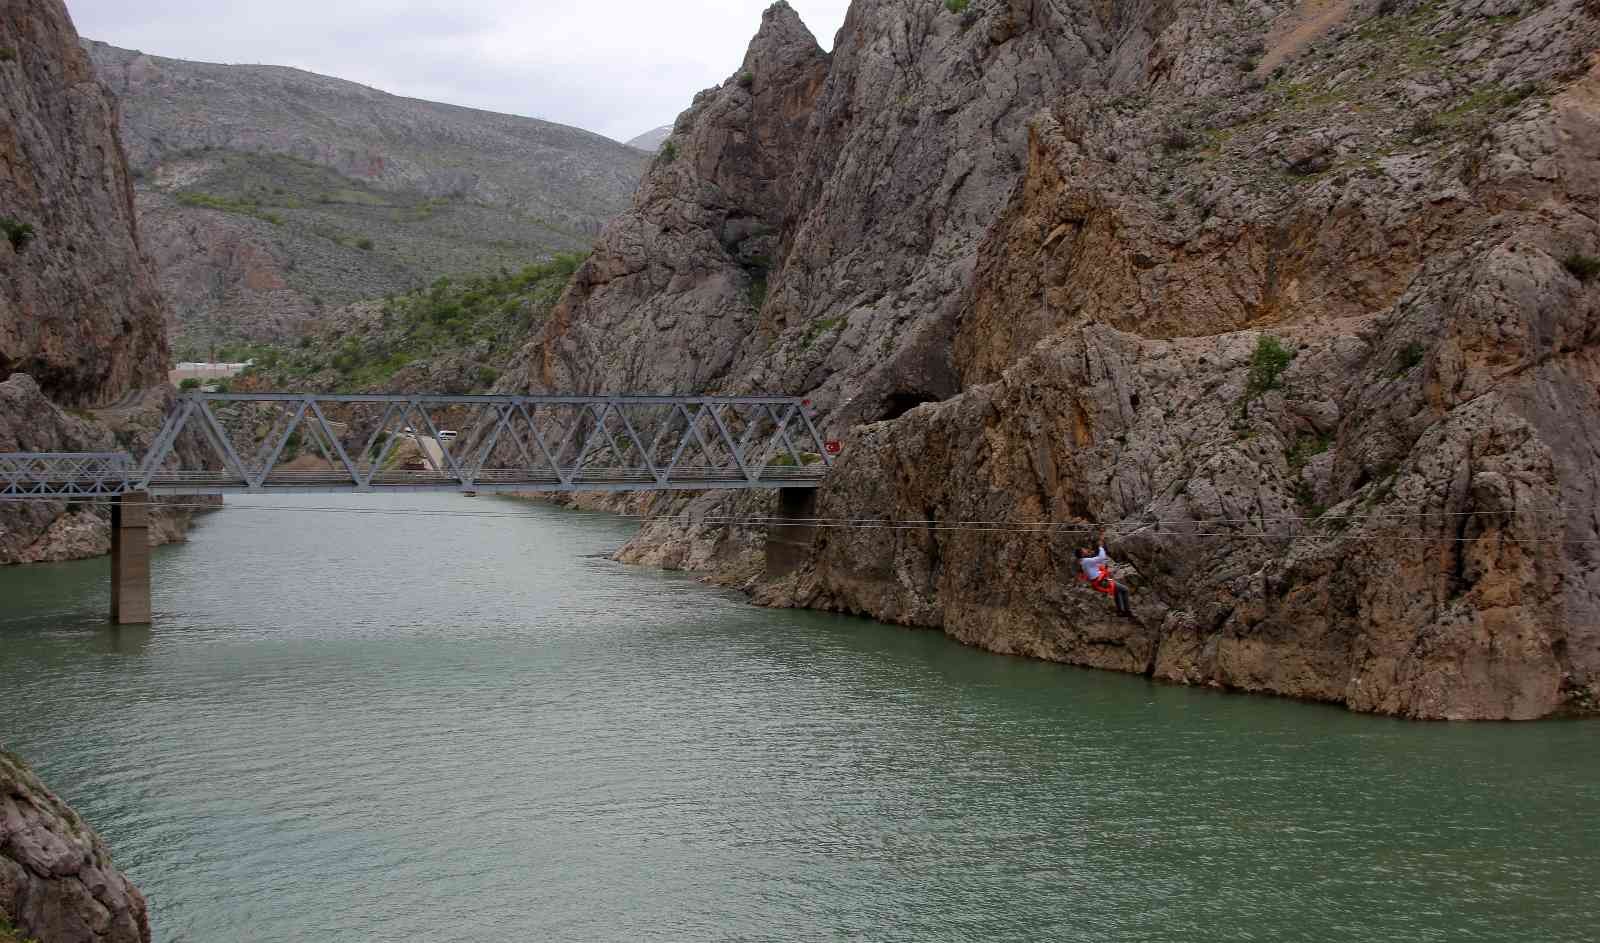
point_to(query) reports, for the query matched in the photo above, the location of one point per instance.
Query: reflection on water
(354, 727)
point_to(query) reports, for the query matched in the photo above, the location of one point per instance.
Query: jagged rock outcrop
(1300, 299)
(83, 350)
(57, 881)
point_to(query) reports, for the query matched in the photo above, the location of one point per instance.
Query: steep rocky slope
(83, 350)
(57, 881)
(1298, 298)
(269, 195)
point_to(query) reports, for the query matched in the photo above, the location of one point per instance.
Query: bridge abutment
(130, 558)
(788, 544)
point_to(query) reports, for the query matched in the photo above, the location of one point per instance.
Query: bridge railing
(220, 442)
(64, 476)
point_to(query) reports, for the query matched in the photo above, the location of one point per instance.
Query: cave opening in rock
(896, 405)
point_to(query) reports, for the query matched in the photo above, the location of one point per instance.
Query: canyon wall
(1296, 299)
(83, 348)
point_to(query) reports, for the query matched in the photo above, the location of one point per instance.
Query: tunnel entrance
(896, 405)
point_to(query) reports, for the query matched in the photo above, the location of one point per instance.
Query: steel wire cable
(1166, 528)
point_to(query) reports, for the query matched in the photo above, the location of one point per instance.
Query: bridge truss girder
(256, 443)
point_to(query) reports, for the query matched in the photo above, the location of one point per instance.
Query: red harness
(1101, 584)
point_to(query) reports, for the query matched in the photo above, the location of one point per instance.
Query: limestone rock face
(81, 322)
(57, 881)
(79, 309)
(1298, 300)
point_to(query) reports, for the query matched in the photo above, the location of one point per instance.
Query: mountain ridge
(270, 194)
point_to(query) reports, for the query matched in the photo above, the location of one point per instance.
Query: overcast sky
(619, 67)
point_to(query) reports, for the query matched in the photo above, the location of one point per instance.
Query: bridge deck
(279, 482)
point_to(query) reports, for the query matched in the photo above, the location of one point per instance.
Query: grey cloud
(619, 68)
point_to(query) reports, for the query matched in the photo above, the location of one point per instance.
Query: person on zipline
(1097, 570)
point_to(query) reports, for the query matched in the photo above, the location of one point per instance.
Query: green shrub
(746, 79)
(487, 376)
(1177, 138)
(758, 291)
(189, 383)
(669, 151)
(9, 932)
(20, 234)
(1582, 267)
(1424, 126)
(1411, 355)
(1267, 364)
(957, 6)
(8, 55)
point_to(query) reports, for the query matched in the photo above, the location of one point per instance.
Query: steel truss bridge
(222, 443)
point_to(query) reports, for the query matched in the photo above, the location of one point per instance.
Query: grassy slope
(349, 241)
(480, 322)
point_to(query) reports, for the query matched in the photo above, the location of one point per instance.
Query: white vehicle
(447, 435)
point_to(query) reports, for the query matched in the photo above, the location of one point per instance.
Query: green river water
(433, 727)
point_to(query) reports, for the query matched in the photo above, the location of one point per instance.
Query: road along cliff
(1297, 299)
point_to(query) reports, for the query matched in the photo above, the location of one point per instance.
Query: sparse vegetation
(1267, 364)
(1423, 126)
(1177, 138)
(1582, 267)
(224, 204)
(957, 6)
(758, 290)
(188, 384)
(1305, 449)
(9, 932)
(490, 315)
(819, 328)
(746, 79)
(8, 54)
(365, 245)
(669, 151)
(1411, 355)
(18, 233)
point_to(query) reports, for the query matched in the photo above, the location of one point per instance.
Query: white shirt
(1092, 565)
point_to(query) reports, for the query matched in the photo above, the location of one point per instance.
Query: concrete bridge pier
(130, 558)
(788, 545)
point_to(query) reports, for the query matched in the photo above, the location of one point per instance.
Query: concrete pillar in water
(788, 545)
(130, 559)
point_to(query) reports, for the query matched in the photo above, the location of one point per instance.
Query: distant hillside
(268, 195)
(651, 141)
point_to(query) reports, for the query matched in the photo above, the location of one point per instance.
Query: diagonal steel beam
(633, 436)
(288, 433)
(222, 440)
(727, 439)
(538, 438)
(327, 430)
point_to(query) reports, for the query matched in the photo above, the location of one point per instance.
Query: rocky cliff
(57, 881)
(269, 196)
(83, 349)
(79, 311)
(1298, 299)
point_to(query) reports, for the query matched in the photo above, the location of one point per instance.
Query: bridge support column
(788, 544)
(130, 559)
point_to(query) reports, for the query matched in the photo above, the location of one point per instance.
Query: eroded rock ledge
(57, 881)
